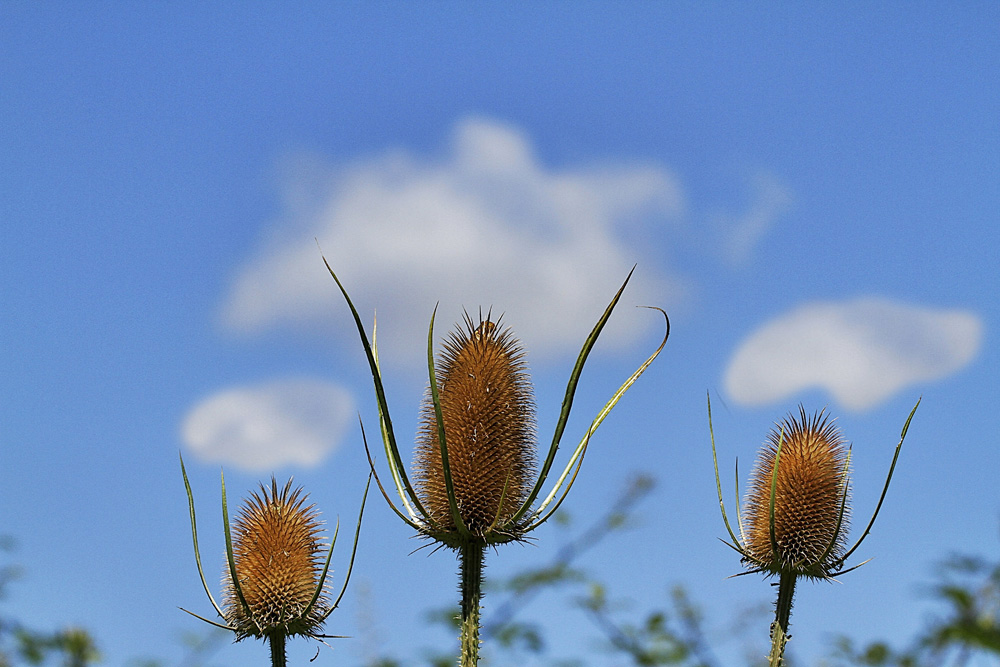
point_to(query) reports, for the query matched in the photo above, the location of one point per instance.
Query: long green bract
(718, 481)
(885, 489)
(845, 485)
(231, 560)
(739, 517)
(371, 465)
(322, 577)
(194, 535)
(567, 404)
(354, 550)
(604, 412)
(775, 554)
(540, 519)
(495, 524)
(379, 395)
(449, 484)
(397, 474)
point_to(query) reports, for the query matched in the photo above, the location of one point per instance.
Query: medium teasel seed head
(489, 423)
(279, 560)
(809, 496)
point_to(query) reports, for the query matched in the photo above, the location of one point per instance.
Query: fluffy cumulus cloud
(861, 351)
(266, 426)
(486, 224)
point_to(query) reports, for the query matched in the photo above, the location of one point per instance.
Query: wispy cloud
(862, 351)
(742, 233)
(487, 225)
(266, 426)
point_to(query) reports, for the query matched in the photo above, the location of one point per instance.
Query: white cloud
(861, 351)
(485, 226)
(771, 200)
(262, 427)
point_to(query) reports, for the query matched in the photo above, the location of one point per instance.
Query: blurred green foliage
(963, 627)
(23, 645)
(964, 630)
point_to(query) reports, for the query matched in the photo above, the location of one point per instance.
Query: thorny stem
(277, 642)
(782, 612)
(471, 572)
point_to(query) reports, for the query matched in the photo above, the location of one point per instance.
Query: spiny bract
(488, 415)
(279, 558)
(810, 505)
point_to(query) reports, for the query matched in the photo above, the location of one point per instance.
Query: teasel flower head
(279, 558)
(487, 409)
(806, 462)
(274, 584)
(477, 476)
(797, 511)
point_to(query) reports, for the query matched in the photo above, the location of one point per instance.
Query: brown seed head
(279, 558)
(489, 425)
(808, 527)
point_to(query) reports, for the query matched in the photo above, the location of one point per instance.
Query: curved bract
(438, 505)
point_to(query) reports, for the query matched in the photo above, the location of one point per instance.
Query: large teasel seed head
(810, 506)
(489, 423)
(279, 559)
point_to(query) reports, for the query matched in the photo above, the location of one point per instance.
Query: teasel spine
(473, 560)
(782, 617)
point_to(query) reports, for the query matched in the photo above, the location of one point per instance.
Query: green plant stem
(782, 612)
(472, 557)
(277, 642)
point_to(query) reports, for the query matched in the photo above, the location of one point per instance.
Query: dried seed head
(489, 425)
(279, 558)
(809, 527)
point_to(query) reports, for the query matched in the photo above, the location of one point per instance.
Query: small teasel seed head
(279, 559)
(811, 511)
(489, 423)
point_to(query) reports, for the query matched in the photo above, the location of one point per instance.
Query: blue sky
(811, 193)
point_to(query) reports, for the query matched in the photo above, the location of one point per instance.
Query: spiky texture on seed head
(489, 423)
(809, 529)
(279, 559)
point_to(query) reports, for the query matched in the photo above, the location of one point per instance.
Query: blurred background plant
(963, 627)
(962, 600)
(963, 630)
(21, 644)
